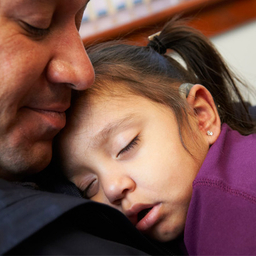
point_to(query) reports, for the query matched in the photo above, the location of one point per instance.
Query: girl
(165, 143)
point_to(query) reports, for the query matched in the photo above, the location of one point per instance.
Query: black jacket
(34, 222)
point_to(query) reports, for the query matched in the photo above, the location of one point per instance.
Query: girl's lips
(149, 219)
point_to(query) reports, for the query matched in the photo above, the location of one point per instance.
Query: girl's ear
(201, 101)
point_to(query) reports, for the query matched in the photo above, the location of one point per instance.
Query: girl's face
(126, 152)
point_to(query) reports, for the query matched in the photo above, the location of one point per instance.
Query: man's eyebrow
(104, 134)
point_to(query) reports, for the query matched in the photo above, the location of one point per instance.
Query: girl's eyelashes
(91, 190)
(35, 31)
(133, 143)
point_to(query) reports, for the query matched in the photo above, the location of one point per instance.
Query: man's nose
(116, 188)
(70, 64)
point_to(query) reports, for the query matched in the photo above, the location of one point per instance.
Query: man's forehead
(21, 3)
(33, 2)
(38, 6)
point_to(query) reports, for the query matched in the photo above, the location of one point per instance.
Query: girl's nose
(116, 188)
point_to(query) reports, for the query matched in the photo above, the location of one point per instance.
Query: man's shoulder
(47, 220)
(24, 211)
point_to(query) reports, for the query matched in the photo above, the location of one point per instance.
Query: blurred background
(230, 24)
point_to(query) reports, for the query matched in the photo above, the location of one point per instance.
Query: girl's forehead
(105, 110)
(119, 103)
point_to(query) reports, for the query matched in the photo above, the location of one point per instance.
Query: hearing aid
(184, 89)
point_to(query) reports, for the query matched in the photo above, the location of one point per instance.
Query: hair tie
(157, 45)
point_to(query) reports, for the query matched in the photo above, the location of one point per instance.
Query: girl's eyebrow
(104, 134)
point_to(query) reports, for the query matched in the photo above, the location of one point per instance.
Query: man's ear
(201, 101)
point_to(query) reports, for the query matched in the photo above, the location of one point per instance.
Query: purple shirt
(221, 218)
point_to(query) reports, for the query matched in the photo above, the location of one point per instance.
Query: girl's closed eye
(131, 145)
(91, 190)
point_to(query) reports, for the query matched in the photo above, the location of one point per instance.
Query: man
(42, 59)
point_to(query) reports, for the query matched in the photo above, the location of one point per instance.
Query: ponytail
(205, 66)
(149, 72)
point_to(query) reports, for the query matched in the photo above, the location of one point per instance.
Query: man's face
(42, 58)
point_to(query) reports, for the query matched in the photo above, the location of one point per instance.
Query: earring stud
(209, 133)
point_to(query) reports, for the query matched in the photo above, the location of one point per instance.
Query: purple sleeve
(221, 220)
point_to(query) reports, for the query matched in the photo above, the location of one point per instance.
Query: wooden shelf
(210, 16)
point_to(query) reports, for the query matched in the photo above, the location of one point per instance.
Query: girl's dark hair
(146, 71)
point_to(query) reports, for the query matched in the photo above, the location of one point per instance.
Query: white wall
(238, 47)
